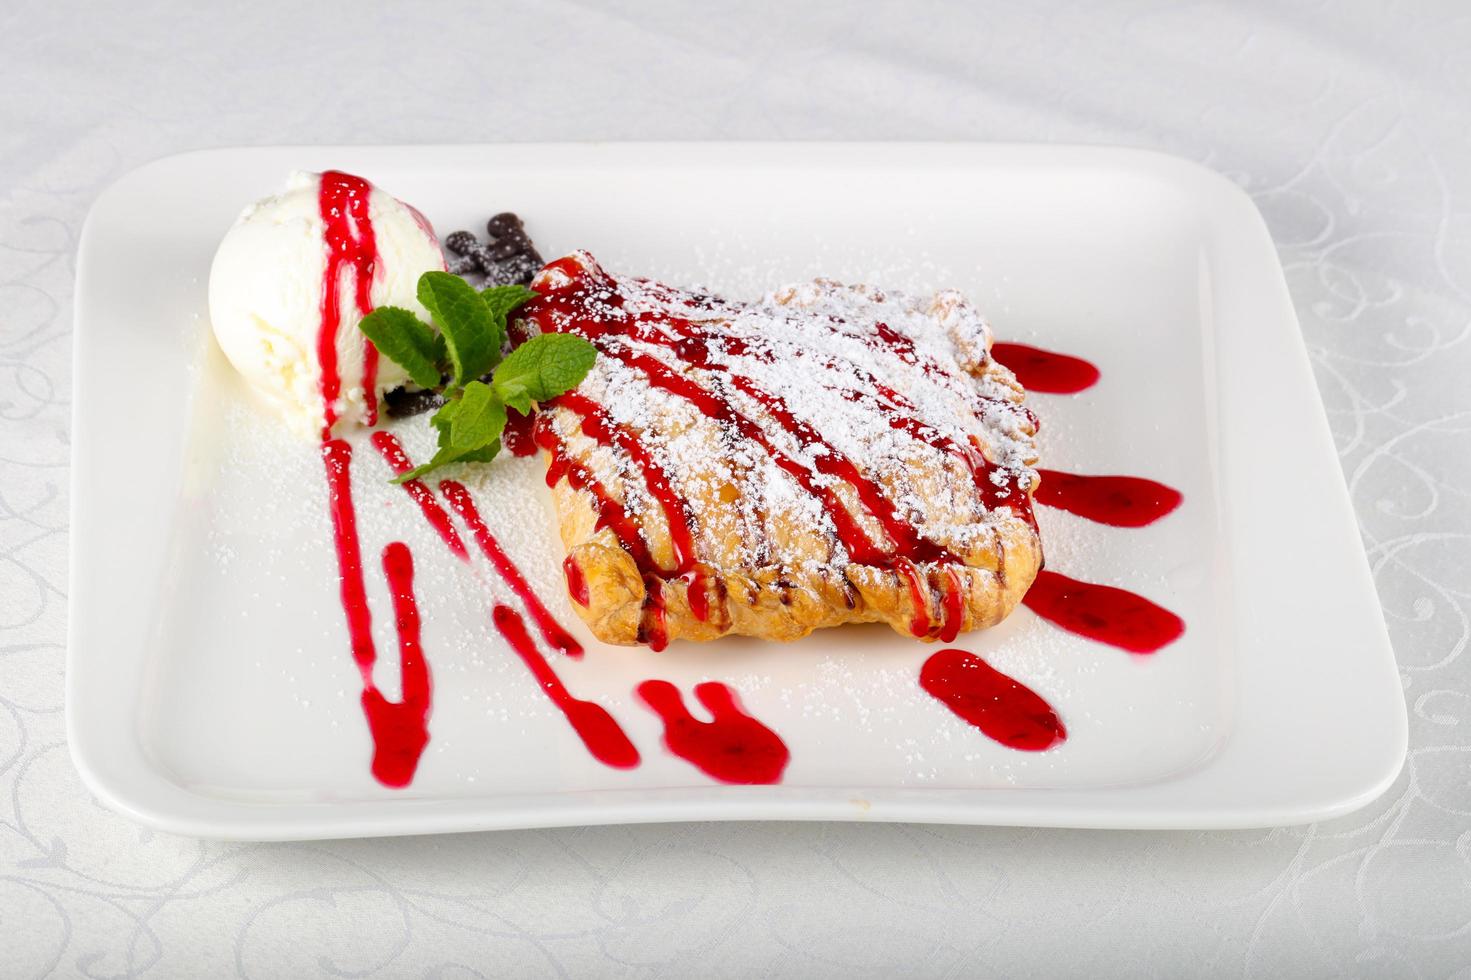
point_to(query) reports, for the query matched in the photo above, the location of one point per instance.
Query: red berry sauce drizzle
(1002, 708)
(399, 729)
(516, 436)
(347, 234)
(556, 637)
(393, 454)
(732, 747)
(604, 738)
(576, 582)
(1119, 501)
(607, 742)
(999, 706)
(1100, 612)
(1045, 371)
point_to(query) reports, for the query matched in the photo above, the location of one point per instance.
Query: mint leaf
(441, 458)
(503, 299)
(447, 456)
(442, 419)
(543, 368)
(406, 340)
(482, 455)
(469, 430)
(472, 334)
(478, 420)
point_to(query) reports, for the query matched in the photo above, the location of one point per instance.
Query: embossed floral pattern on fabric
(1346, 122)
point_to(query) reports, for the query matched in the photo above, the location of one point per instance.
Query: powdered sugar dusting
(844, 361)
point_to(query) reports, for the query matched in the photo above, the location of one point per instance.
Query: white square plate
(210, 688)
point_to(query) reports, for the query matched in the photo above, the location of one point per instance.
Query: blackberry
(485, 260)
(505, 223)
(462, 264)
(518, 270)
(503, 248)
(401, 402)
(460, 242)
(509, 257)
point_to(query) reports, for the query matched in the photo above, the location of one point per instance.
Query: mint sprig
(406, 340)
(463, 362)
(543, 367)
(503, 299)
(479, 418)
(471, 331)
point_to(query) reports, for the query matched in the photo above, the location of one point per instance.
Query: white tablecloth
(1347, 122)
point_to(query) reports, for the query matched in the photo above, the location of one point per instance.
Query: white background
(1348, 123)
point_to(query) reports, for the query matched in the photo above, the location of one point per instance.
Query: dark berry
(460, 242)
(402, 402)
(518, 270)
(505, 223)
(462, 265)
(508, 259)
(485, 260)
(503, 248)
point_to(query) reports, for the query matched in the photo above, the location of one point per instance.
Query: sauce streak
(1003, 709)
(954, 606)
(1119, 501)
(1046, 371)
(552, 631)
(516, 436)
(599, 426)
(654, 630)
(576, 581)
(393, 454)
(732, 747)
(1103, 613)
(347, 233)
(919, 590)
(337, 458)
(594, 725)
(399, 730)
(602, 735)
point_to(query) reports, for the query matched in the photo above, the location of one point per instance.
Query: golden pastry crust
(828, 454)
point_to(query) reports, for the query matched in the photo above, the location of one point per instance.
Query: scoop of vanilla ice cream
(266, 290)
